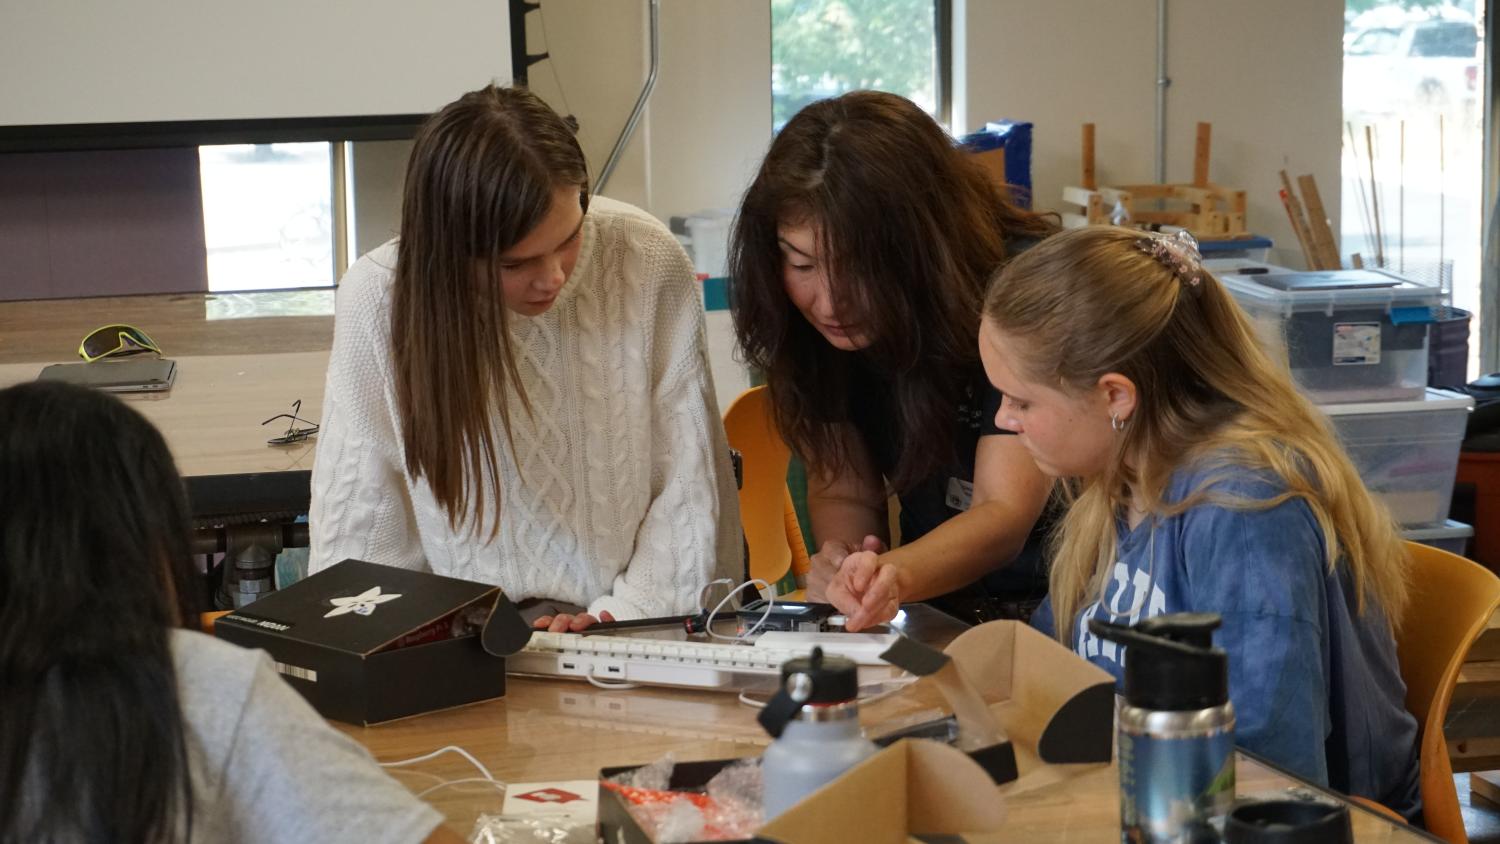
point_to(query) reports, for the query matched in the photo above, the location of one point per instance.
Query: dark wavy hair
(95, 569)
(911, 230)
(481, 176)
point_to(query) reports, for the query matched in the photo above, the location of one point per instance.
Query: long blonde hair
(1091, 301)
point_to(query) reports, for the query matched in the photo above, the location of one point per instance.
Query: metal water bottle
(1176, 729)
(815, 720)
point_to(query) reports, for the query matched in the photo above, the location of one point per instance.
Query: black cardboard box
(366, 643)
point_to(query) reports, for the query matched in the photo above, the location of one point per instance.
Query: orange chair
(1452, 600)
(766, 511)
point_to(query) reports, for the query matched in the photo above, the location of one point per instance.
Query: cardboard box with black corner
(1023, 701)
(367, 643)
(914, 788)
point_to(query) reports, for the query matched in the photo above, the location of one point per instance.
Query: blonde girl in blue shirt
(1201, 480)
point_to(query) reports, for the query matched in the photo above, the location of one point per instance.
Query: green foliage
(820, 48)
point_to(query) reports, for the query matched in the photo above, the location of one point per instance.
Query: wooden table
(49, 330)
(241, 358)
(550, 729)
(211, 418)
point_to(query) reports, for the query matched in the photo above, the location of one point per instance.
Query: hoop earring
(1116, 423)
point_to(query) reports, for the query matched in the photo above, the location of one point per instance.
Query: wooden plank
(1073, 221)
(1239, 203)
(1487, 646)
(1089, 183)
(1200, 154)
(1114, 195)
(1166, 218)
(1478, 679)
(1149, 191)
(1299, 223)
(1078, 196)
(1096, 213)
(1202, 199)
(1486, 786)
(1481, 754)
(1317, 220)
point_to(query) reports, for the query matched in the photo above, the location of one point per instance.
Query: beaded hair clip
(1178, 253)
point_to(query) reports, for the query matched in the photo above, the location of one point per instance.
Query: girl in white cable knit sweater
(518, 391)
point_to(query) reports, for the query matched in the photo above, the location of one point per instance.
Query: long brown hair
(1089, 302)
(482, 174)
(911, 228)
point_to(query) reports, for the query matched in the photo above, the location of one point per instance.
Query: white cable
(496, 783)
(742, 637)
(749, 701)
(440, 751)
(601, 684)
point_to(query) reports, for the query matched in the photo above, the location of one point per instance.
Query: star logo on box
(362, 604)
(549, 795)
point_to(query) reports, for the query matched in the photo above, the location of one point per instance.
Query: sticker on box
(1356, 343)
(576, 799)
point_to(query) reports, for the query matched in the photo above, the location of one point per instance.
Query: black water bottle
(1176, 729)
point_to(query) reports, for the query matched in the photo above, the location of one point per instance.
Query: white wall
(708, 121)
(377, 169)
(705, 128)
(1267, 74)
(165, 60)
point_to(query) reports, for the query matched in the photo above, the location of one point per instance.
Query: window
(1374, 42)
(267, 215)
(1412, 80)
(1455, 40)
(823, 48)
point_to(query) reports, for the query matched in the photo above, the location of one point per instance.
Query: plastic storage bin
(1407, 452)
(1254, 248)
(1348, 335)
(1451, 536)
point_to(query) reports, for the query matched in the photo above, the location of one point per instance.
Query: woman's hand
(824, 565)
(867, 590)
(565, 623)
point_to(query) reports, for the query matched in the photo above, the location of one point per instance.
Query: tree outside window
(823, 48)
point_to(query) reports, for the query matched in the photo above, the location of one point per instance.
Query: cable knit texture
(619, 495)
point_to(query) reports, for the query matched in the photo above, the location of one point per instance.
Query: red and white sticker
(578, 800)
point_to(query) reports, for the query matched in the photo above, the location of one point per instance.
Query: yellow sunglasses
(116, 340)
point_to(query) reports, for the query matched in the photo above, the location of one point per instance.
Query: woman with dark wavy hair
(119, 722)
(860, 258)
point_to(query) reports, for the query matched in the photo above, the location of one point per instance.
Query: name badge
(960, 494)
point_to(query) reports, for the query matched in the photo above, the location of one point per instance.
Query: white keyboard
(724, 666)
(625, 659)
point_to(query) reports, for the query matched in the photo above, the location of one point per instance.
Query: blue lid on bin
(1208, 248)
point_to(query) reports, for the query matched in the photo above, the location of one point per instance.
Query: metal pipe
(1162, 83)
(640, 104)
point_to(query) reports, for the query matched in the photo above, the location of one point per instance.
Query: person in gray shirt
(121, 722)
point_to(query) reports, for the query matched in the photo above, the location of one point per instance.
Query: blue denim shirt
(1315, 686)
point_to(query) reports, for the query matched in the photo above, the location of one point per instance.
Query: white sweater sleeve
(691, 532)
(360, 504)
